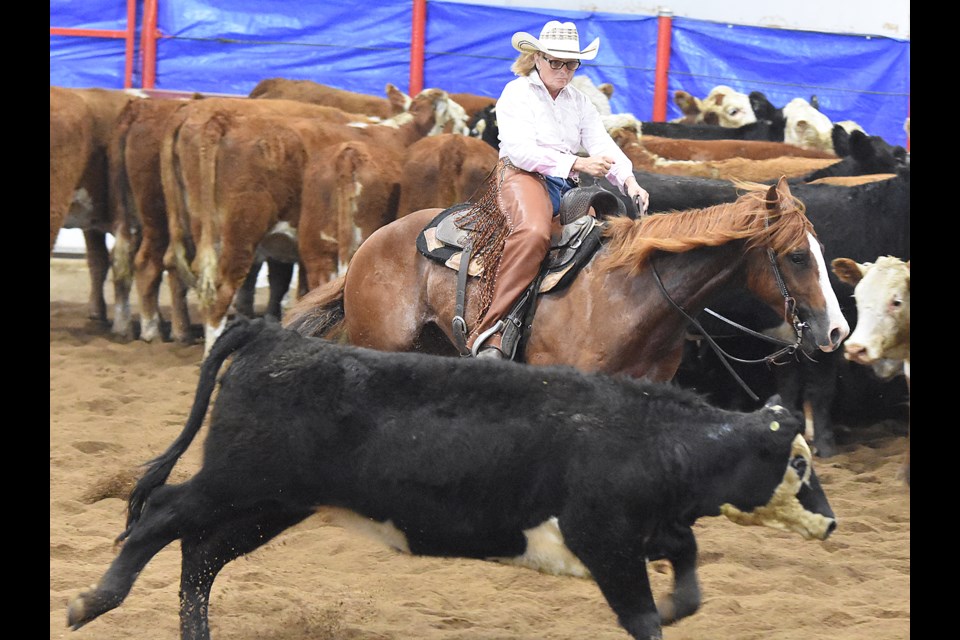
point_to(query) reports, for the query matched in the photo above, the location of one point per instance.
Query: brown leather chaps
(524, 201)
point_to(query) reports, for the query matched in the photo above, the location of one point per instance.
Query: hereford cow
(316, 93)
(723, 106)
(81, 125)
(882, 333)
(140, 228)
(443, 170)
(548, 468)
(236, 179)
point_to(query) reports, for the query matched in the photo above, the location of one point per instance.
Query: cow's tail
(319, 313)
(121, 196)
(207, 258)
(176, 258)
(237, 334)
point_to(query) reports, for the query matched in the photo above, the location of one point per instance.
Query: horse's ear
(777, 195)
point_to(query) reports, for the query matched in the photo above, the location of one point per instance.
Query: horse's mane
(631, 242)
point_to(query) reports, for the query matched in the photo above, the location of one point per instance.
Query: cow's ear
(847, 270)
(773, 401)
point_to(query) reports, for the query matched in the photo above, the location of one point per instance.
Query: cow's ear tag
(774, 425)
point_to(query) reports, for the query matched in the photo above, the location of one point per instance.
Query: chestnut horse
(613, 317)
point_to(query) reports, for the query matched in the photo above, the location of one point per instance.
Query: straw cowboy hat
(558, 39)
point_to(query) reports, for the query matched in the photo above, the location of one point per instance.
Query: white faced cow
(882, 334)
(548, 468)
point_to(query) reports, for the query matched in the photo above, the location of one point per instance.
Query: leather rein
(789, 315)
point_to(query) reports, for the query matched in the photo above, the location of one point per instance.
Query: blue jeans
(556, 187)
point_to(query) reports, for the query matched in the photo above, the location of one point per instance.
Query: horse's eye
(798, 258)
(799, 463)
(896, 303)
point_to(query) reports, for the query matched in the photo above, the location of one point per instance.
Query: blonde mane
(631, 242)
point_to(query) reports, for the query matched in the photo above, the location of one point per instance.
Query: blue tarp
(363, 46)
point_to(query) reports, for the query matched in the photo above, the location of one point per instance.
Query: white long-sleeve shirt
(540, 134)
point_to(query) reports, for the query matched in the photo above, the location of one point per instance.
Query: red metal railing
(129, 34)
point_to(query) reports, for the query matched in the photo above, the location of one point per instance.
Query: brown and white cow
(322, 94)
(140, 227)
(443, 170)
(181, 144)
(236, 180)
(882, 332)
(81, 124)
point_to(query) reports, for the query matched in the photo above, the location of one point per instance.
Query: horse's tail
(320, 312)
(238, 333)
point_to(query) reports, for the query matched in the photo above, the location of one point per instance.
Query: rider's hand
(640, 198)
(596, 166)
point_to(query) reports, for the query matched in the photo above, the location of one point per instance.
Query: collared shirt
(540, 134)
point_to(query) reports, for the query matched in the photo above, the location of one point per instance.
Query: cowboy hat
(558, 39)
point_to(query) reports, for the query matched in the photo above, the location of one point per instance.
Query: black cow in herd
(549, 468)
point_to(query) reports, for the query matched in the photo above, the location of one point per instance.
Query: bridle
(789, 316)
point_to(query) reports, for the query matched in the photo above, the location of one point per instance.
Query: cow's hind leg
(680, 548)
(159, 525)
(98, 264)
(206, 554)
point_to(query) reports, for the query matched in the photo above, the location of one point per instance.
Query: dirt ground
(114, 405)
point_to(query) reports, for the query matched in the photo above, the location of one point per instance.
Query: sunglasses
(556, 65)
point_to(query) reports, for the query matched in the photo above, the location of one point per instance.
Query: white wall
(890, 18)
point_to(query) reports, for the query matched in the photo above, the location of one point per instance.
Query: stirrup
(483, 337)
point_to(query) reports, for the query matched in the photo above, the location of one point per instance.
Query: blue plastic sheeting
(363, 46)
(83, 61)
(860, 78)
(468, 50)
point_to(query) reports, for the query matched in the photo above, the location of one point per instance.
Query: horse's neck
(619, 323)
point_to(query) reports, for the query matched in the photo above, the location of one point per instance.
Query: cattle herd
(562, 471)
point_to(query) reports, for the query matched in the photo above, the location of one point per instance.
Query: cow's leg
(180, 316)
(121, 260)
(679, 546)
(819, 393)
(159, 525)
(279, 275)
(623, 580)
(148, 274)
(205, 555)
(98, 264)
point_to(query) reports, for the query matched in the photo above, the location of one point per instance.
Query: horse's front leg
(679, 546)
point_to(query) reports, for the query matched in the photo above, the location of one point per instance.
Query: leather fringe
(490, 230)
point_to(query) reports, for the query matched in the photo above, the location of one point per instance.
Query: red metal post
(129, 34)
(664, 27)
(148, 43)
(417, 38)
(131, 41)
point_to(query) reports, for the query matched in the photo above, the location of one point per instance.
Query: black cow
(862, 155)
(769, 130)
(549, 468)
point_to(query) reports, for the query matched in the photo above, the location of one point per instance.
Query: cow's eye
(896, 303)
(799, 463)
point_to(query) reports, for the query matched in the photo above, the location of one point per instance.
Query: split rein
(789, 315)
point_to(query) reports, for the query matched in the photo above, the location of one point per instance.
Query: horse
(613, 317)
